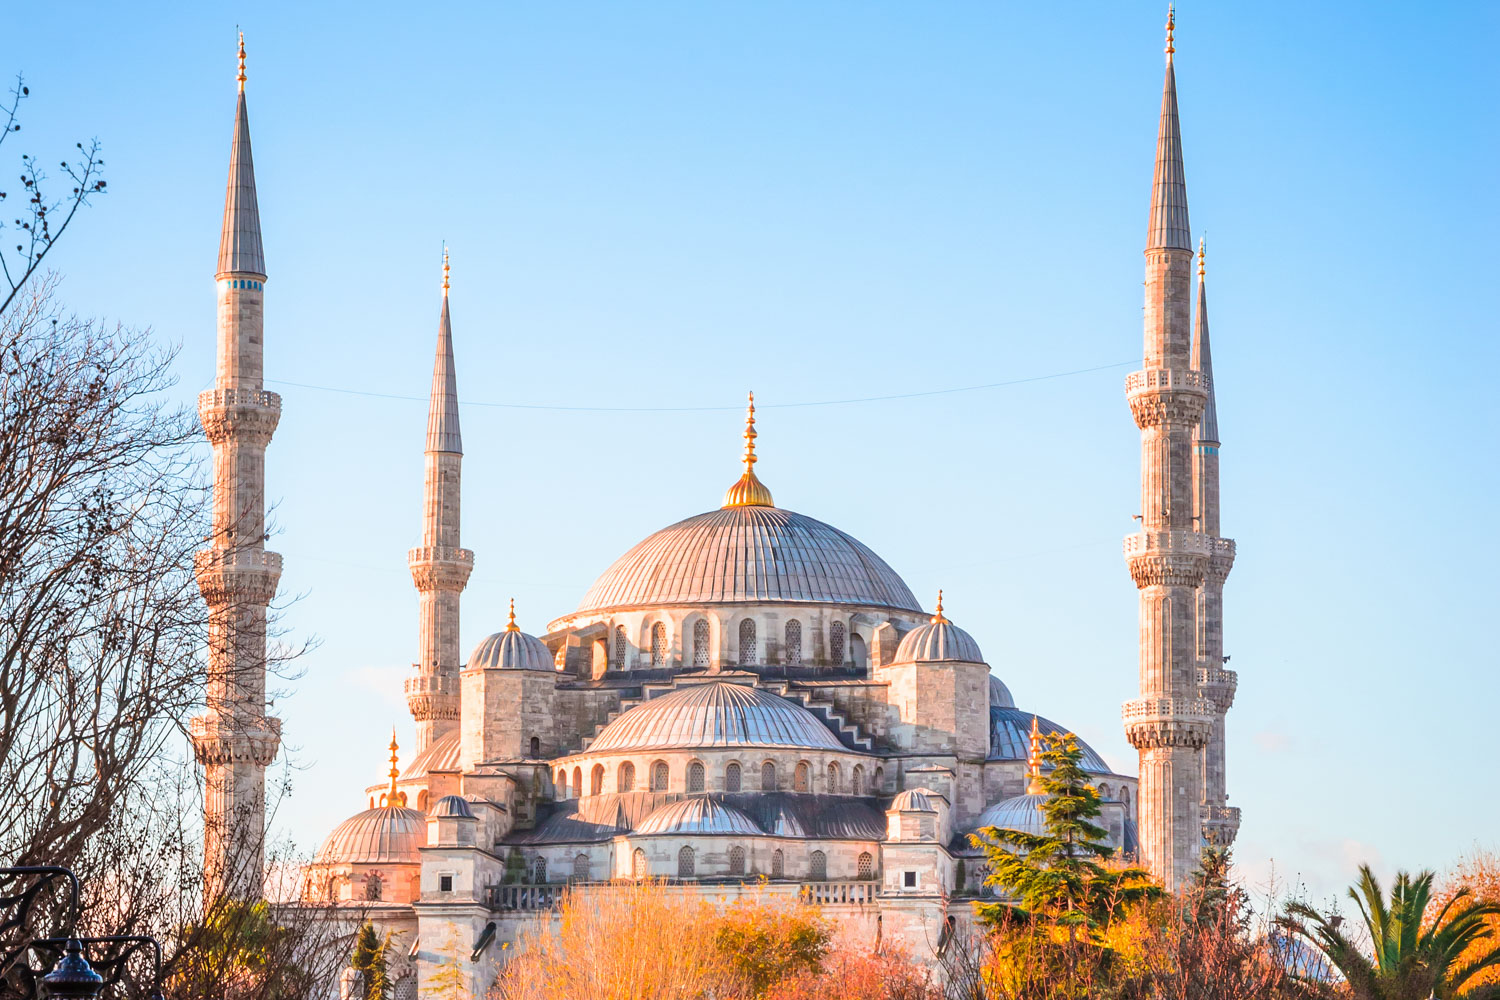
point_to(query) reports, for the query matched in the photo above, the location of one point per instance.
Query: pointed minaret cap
(239, 240)
(1034, 761)
(442, 406)
(749, 491)
(1169, 228)
(1208, 423)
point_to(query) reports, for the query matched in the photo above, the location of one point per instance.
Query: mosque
(748, 700)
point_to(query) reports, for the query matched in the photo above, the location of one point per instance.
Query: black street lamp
(72, 976)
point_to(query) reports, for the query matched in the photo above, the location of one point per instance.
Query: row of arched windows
(749, 653)
(687, 864)
(697, 778)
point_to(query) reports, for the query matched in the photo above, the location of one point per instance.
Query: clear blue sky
(665, 204)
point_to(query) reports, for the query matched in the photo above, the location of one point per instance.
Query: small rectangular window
(909, 879)
(445, 883)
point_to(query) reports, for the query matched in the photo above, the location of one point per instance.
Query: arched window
(685, 863)
(768, 777)
(638, 864)
(659, 776)
(695, 776)
(866, 865)
(373, 888)
(536, 747)
(858, 652)
(620, 646)
(794, 643)
(817, 866)
(857, 780)
(747, 642)
(422, 800)
(581, 868)
(625, 780)
(736, 860)
(561, 781)
(833, 778)
(732, 777)
(539, 870)
(801, 777)
(596, 780)
(700, 643)
(658, 645)
(778, 864)
(879, 781)
(1104, 792)
(1125, 798)
(836, 644)
(577, 782)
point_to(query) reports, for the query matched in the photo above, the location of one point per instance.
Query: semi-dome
(1010, 738)
(452, 807)
(387, 835)
(748, 554)
(698, 814)
(441, 755)
(512, 649)
(1000, 696)
(915, 800)
(939, 639)
(719, 714)
(1022, 813)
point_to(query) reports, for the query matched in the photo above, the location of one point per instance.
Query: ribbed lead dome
(939, 640)
(745, 554)
(1022, 813)
(699, 814)
(715, 715)
(381, 836)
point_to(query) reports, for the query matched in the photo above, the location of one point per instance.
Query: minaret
(1216, 682)
(234, 739)
(439, 566)
(1169, 723)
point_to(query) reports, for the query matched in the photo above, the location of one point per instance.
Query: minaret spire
(749, 491)
(1217, 685)
(1170, 722)
(440, 567)
(1034, 761)
(234, 739)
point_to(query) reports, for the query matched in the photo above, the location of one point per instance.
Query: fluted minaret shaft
(1216, 681)
(439, 566)
(1168, 724)
(234, 739)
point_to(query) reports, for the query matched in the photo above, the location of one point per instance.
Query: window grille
(700, 643)
(685, 863)
(857, 780)
(836, 644)
(539, 870)
(817, 866)
(732, 777)
(866, 865)
(800, 777)
(659, 776)
(658, 645)
(747, 642)
(768, 777)
(778, 864)
(620, 645)
(833, 778)
(581, 868)
(373, 887)
(625, 782)
(736, 860)
(695, 777)
(638, 864)
(794, 643)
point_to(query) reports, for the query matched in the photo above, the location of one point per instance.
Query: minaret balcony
(1218, 685)
(237, 576)
(1168, 722)
(440, 567)
(1160, 396)
(220, 740)
(1171, 558)
(249, 414)
(1220, 559)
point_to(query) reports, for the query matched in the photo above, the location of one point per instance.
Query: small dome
(452, 807)
(699, 814)
(441, 755)
(939, 639)
(1022, 813)
(1000, 694)
(385, 835)
(915, 800)
(512, 649)
(719, 714)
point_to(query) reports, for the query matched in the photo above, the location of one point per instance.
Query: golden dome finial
(938, 618)
(393, 797)
(445, 270)
(511, 625)
(749, 491)
(1200, 258)
(1034, 761)
(1171, 27)
(241, 77)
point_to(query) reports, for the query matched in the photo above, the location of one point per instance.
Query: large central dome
(746, 554)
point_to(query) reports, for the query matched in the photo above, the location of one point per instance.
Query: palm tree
(1413, 959)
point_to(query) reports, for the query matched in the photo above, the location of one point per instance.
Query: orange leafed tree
(1479, 872)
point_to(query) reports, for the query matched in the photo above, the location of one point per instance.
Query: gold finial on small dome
(938, 618)
(1034, 761)
(241, 77)
(445, 270)
(1171, 27)
(1200, 258)
(749, 491)
(393, 797)
(511, 625)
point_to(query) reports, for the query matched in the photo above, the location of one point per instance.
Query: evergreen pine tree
(369, 960)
